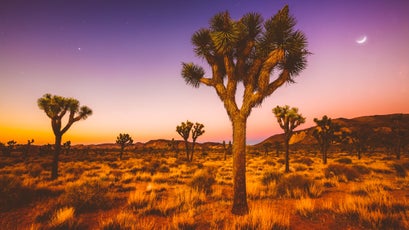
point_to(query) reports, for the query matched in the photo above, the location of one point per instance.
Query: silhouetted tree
(123, 140)
(67, 147)
(27, 148)
(184, 131)
(398, 135)
(197, 131)
(9, 148)
(56, 107)
(277, 146)
(267, 146)
(246, 51)
(288, 119)
(173, 146)
(324, 133)
(359, 139)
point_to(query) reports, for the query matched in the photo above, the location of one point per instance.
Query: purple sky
(123, 60)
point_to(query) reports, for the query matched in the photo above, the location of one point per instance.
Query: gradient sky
(123, 60)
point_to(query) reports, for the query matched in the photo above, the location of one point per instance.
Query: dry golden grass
(148, 191)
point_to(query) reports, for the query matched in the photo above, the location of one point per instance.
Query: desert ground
(159, 190)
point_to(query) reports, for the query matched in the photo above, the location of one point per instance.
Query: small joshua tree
(67, 147)
(324, 133)
(197, 131)
(27, 148)
(288, 119)
(277, 146)
(184, 131)
(9, 148)
(123, 140)
(56, 107)
(267, 147)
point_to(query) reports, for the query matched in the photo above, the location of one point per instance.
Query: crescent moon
(361, 40)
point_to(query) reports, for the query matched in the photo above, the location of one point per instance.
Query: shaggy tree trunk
(287, 153)
(187, 149)
(121, 152)
(191, 153)
(240, 206)
(54, 169)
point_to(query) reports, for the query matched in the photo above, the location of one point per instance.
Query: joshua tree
(123, 140)
(27, 148)
(246, 51)
(324, 133)
(398, 135)
(267, 147)
(288, 119)
(184, 131)
(56, 107)
(173, 146)
(277, 146)
(9, 148)
(67, 147)
(196, 132)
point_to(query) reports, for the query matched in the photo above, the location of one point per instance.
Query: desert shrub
(361, 169)
(64, 218)
(305, 160)
(294, 185)
(34, 170)
(86, 196)
(271, 176)
(400, 169)
(281, 161)
(341, 170)
(164, 169)
(344, 160)
(125, 220)
(203, 180)
(12, 192)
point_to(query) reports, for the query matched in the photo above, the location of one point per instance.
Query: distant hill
(380, 127)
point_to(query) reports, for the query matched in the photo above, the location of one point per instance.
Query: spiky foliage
(184, 131)
(359, 139)
(123, 139)
(67, 147)
(288, 119)
(324, 133)
(9, 148)
(246, 51)
(56, 107)
(196, 132)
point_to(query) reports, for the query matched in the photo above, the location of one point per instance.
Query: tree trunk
(121, 152)
(324, 154)
(187, 150)
(57, 150)
(287, 153)
(191, 153)
(240, 206)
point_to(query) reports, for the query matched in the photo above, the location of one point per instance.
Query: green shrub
(341, 170)
(203, 180)
(344, 160)
(86, 196)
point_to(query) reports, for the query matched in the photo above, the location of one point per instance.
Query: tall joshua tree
(56, 107)
(196, 132)
(123, 140)
(246, 51)
(288, 119)
(184, 131)
(324, 133)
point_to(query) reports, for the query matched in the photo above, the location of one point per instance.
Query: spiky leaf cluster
(288, 118)
(248, 50)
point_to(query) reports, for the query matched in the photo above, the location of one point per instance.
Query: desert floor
(96, 190)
